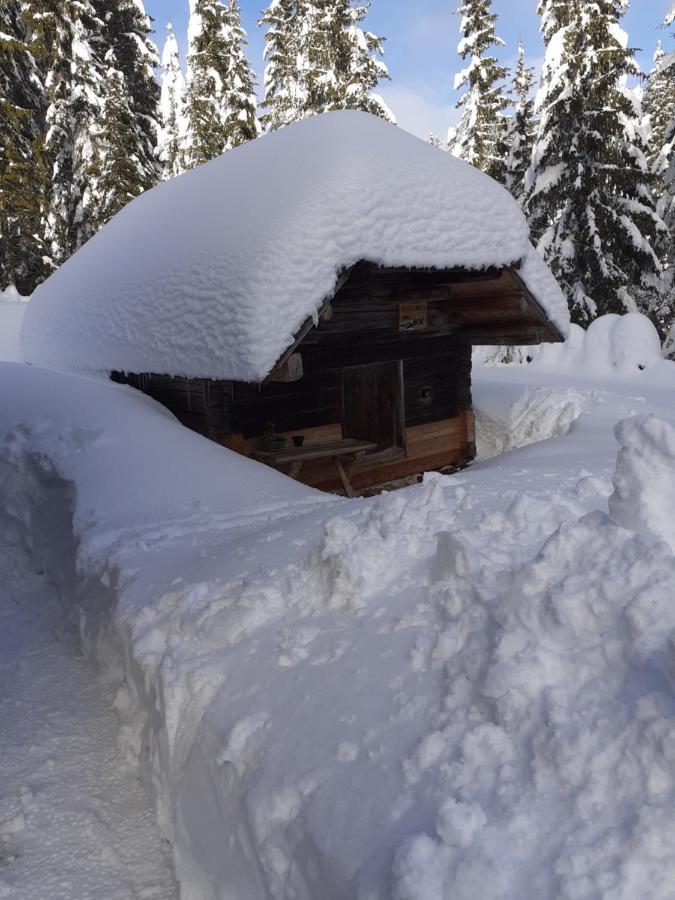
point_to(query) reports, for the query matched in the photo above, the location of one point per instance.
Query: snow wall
(12, 309)
(451, 690)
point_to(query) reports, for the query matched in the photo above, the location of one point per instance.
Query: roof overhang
(489, 306)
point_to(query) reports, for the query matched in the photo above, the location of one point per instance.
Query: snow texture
(75, 823)
(12, 308)
(612, 345)
(459, 689)
(627, 344)
(644, 489)
(255, 244)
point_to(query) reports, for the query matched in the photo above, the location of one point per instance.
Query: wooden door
(372, 404)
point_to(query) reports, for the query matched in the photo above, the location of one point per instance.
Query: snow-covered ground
(12, 308)
(461, 689)
(75, 822)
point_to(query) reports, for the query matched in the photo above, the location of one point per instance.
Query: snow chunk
(644, 491)
(212, 273)
(12, 308)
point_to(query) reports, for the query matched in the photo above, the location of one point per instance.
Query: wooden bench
(348, 449)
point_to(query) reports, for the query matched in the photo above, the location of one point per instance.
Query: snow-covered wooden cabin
(324, 283)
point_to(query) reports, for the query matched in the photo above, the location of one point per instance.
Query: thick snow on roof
(212, 274)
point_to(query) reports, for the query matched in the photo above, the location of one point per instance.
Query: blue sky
(421, 43)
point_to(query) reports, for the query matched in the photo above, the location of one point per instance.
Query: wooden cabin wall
(307, 403)
(438, 430)
(199, 404)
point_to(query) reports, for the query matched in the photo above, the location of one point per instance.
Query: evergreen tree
(479, 138)
(22, 173)
(241, 120)
(520, 137)
(664, 167)
(554, 15)
(66, 40)
(659, 101)
(127, 33)
(321, 59)
(589, 189)
(344, 62)
(285, 81)
(659, 106)
(172, 133)
(220, 99)
(116, 173)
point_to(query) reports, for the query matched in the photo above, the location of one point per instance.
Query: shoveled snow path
(75, 822)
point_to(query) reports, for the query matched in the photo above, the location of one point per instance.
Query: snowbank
(459, 689)
(12, 308)
(535, 415)
(626, 345)
(644, 487)
(135, 466)
(212, 273)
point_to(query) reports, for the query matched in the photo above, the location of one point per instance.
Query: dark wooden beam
(317, 358)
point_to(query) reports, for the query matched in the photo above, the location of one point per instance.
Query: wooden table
(348, 449)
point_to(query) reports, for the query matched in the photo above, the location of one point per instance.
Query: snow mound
(12, 309)
(461, 689)
(644, 490)
(136, 467)
(212, 273)
(554, 757)
(626, 344)
(536, 416)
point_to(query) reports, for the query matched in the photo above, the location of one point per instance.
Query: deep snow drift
(211, 274)
(75, 823)
(12, 308)
(458, 690)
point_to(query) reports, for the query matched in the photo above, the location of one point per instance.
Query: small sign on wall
(413, 317)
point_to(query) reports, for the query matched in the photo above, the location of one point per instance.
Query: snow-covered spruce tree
(520, 135)
(319, 58)
(127, 33)
(116, 173)
(479, 138)
(659, 107)
(66, 40)
(659, 101)
(241, 121)
(589, 197)
(172, 132)
(664, 167)
(220, 98)
(285, 78)
(22, 173)
(344, 62)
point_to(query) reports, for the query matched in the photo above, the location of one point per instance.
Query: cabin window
(426, 396)
(372, 404)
